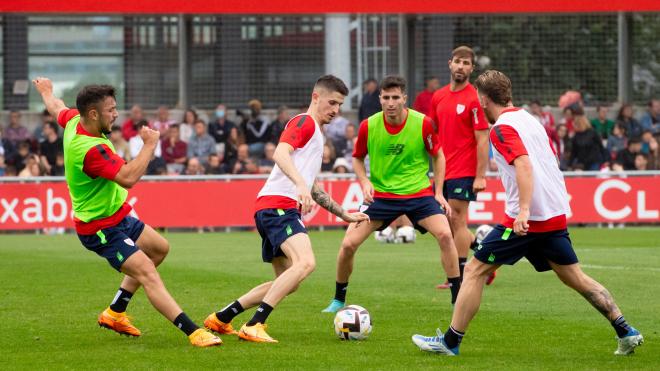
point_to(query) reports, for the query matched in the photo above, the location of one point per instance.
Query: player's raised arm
(45, 88)
(131, 173)
(282, 158)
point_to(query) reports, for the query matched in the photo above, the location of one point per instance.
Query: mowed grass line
(53, 289)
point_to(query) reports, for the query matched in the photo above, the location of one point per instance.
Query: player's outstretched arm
(325, 201)
(130, 173)
(45, 88)
(282, 158)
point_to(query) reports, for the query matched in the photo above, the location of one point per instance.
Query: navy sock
(261, 314)
(461, 266)
(120, 302)
(340, 291)
(185, 324)
(454, 286)
(453, 337)
(228, 313)
(620, 326)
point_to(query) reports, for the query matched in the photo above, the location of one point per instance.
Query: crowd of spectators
(245, 144)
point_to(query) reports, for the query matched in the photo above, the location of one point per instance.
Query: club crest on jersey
(460, 108)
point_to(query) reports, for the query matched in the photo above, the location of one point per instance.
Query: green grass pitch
(53, 289)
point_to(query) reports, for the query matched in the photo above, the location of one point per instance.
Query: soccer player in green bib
(399, 142)
(97, 179)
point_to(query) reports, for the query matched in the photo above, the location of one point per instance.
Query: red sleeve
(66, 115)
(102, 161)
(430, 134)
(360, 147)
(298, 131)
(479, 121)
(507, 142)
(417, 103)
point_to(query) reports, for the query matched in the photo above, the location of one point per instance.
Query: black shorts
(502, 246)
(416, 209)
(275, 226)
(459, 189)
(116, 243)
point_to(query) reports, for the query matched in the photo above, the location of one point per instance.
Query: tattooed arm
(324, 200)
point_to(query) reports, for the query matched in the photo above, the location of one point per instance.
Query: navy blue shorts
(116, 243)
(416, 209)
(275, 226)
(502, 246)
(459, 189)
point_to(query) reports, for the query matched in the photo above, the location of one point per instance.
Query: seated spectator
(626, 157)
(587, 146)
(625, 118)
(267, 163)
(33, 167)
(545, 118)
(135, 144)
(617, 141)
(650, 120)
(157, 166)
(242, 156)
(341, 166)
(277, 126)
(335, 131)
(194, 167)
(567, 120)
(423, 99)
(10, 170)
(6, 147)
(121, 146)
(38, 133)
(601, 123)
(186, 127)
(328, 160)
(225, 133)
(16, 132)
(129, 127)
(215, 166)
(256, 129)
(3, 165)
(201, 145)
(58, 168)
(163, 121)
(344, 148)
(50, 147)
(175, 150)
(641, 162)
(650, 148)
(19, 158)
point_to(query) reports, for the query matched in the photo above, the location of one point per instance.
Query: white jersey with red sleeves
(549, 196)
(307, 157)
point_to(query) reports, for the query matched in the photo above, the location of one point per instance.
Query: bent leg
(255, 296)
(155, 247)
(462, 235)
(355, 235)
(469, 298)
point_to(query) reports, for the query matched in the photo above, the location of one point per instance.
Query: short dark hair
(331, 83)
(464, 51)
(496, 86)
(142, 123)
(174, 126)
(91, 95)
(535, 101)
(393, 81)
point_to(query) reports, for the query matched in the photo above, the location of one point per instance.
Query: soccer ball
(352, 323)
(406, 234)
(385, 236)
(482, 231)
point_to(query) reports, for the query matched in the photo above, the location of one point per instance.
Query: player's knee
(348, 246)
(306, 266)
(457, 219)
(162, 249)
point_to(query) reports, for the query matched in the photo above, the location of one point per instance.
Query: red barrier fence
(220, 202)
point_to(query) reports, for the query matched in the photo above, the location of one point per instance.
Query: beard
(458, 79)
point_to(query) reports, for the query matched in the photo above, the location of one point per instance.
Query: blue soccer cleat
(334, 306)
(434, 344)
(629, 342)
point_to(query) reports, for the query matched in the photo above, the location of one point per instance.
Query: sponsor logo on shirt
(395, 149)
(460, 108)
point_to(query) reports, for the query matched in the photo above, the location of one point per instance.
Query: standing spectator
(616, 142)
(335, 131)
(224, 132)
(567, 120)
(651, 118)
(215, 166)
(201, 144)
(6, 147)
(625, 118)
(187, 124)
(277, 126)
(38, 133)
(50, 146)
(135, 144)
(370, 103)
(545, 118)
(129, 127)
(564, 147)
(423, 100)
(256, 129)
(16, 132)
(174, 150)
(163, 121)
(626, 157)
(267, 163)
(587, 151)
(121, 146)
(601, 123)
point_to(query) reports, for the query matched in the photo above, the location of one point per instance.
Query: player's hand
(479, 184)
(43, 85)
(304, 199)
(149, 136)
(368, 192)
(356, 218)
(444, 204)
(520, 225)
